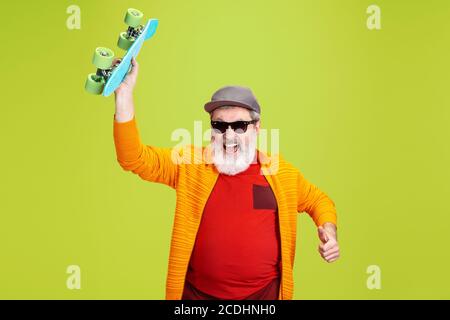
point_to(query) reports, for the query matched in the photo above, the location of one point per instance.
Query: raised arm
(150, 163)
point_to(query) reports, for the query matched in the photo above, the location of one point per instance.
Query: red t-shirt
(237, 249)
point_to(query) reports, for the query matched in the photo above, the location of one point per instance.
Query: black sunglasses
(237, 126)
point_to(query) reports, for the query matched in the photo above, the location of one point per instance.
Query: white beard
(234, 163)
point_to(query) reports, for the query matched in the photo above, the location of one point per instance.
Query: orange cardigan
(191, 173)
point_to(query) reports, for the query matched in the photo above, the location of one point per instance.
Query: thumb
(134, 67)
(323, 235)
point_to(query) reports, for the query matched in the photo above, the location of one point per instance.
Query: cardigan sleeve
(148, 162)
(315, 202)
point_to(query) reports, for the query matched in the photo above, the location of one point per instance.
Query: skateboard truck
(133, 19)
(103, 59)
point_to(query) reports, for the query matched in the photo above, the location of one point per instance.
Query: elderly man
(235, 223)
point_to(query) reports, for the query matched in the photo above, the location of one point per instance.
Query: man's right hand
(124, 95)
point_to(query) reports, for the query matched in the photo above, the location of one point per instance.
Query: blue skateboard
(111, 72)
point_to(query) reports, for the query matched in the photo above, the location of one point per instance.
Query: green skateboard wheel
(94, 84)
(124, 42)
(133, 17)
(103, 58)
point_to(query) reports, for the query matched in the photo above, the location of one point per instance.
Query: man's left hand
(329, 248)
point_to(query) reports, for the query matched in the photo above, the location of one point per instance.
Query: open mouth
(231, 148)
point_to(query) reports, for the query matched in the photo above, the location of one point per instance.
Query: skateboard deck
(121, 70)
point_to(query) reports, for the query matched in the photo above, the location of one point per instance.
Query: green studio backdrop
(363, 113)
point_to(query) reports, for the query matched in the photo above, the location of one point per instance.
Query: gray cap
(233, 96)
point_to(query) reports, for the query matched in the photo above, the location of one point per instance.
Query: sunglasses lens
(219, 127)
(239, 127)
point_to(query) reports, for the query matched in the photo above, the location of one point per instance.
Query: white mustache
(230, 142)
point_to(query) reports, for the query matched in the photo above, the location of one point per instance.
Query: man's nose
(229, 133)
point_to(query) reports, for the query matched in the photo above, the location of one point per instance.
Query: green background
(364, 114)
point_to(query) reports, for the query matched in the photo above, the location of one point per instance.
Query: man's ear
(258, 126)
